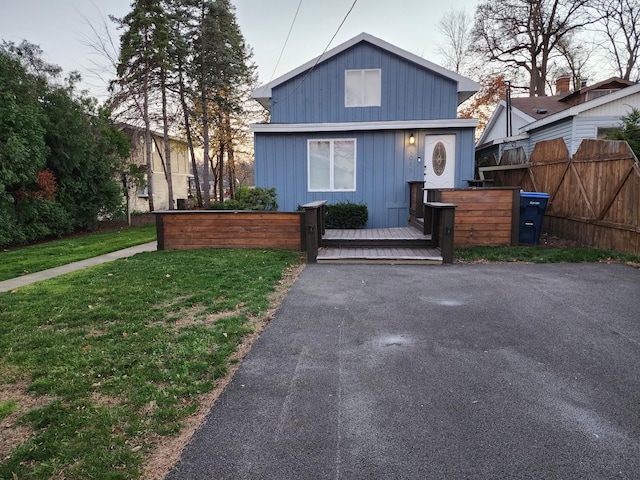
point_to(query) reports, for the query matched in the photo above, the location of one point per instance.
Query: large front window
(332, 165)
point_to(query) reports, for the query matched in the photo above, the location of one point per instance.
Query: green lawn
(119, 353)
(42, 256)
(540, 254)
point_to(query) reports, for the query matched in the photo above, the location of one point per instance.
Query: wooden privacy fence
(191, 229)
(483, 216)
(594, 195)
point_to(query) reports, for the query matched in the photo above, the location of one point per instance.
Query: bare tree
(455, 26)
(621, 26)
(526, 33)
(576, 54)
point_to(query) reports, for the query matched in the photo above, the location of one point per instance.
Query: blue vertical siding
(384, 165)
(409, 91)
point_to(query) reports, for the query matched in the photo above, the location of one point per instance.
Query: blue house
(357, 124)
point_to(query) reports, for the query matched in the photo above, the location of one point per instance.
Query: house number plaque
(439, 159)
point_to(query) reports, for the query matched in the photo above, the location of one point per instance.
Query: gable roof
(582, 107)
(502, 105)
(613, 83)
(541, 111)
(538, 107)
(466, 86)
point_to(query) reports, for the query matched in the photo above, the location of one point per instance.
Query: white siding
(615, 108)
(563, 129)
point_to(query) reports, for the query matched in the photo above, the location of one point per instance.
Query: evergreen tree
(629, 130)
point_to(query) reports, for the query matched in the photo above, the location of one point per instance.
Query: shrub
(250, 199)
(346, 215)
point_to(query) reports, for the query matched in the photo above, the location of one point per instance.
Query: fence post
(311, 231)
(446, 233)
(313, 228)
(441, 225)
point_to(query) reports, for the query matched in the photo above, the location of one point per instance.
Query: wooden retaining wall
(187, 229)
(594, 195)
(485, 216)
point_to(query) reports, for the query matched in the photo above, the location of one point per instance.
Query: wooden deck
(400, 233)
(404, 245)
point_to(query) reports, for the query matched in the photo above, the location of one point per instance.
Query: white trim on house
(363, 126)
(502, 105)
(466, 86)
(583, 107)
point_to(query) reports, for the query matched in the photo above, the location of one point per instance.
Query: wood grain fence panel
(595, 196)
(183, 230)
(484, 217)
(549, 152)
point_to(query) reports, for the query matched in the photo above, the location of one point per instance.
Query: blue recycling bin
(532, 207)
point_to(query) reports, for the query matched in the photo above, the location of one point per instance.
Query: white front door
(439, 162)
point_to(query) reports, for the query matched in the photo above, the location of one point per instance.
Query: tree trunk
(167, 145)
(230, 156)
(205, 140)
(231, 172)
(147, 138)
(187, 127)
(221, 150)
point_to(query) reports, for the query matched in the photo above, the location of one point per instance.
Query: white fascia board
(502, 105)
(582, 107)
(363, 126)
(492, 121)
(466, 86)
(500, 141)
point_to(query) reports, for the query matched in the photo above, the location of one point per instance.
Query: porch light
(412, 139)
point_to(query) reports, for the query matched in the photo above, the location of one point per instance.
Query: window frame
(362, 88)
(332, 141)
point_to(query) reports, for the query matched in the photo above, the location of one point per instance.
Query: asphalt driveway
(454, 372)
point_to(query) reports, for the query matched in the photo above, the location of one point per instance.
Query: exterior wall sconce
(412, 139)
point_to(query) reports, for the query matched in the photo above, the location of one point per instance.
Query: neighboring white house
(587, 113)
(181, 174)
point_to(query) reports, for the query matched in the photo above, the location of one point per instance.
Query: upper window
(332, 165)
(362, 88)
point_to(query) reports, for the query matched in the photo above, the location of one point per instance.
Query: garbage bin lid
(534, 195)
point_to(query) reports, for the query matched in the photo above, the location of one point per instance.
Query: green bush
(346, 215)
(250, 199)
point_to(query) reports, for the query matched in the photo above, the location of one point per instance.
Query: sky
(66, 29)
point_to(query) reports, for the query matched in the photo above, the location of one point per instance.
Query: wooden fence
(191, 229)
(483, 216)
(594, 195)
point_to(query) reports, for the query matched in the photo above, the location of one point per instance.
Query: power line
(322, 54)
(286, 40)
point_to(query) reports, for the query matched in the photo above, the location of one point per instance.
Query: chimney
(583, 83)
(563, 83)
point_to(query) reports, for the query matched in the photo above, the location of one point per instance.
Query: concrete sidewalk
(13, 283)
(410, 372)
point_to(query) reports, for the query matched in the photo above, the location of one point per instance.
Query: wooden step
(380, 255)
(405, 237)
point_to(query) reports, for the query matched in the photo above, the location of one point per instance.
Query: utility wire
(322, 54)
(286, 40)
